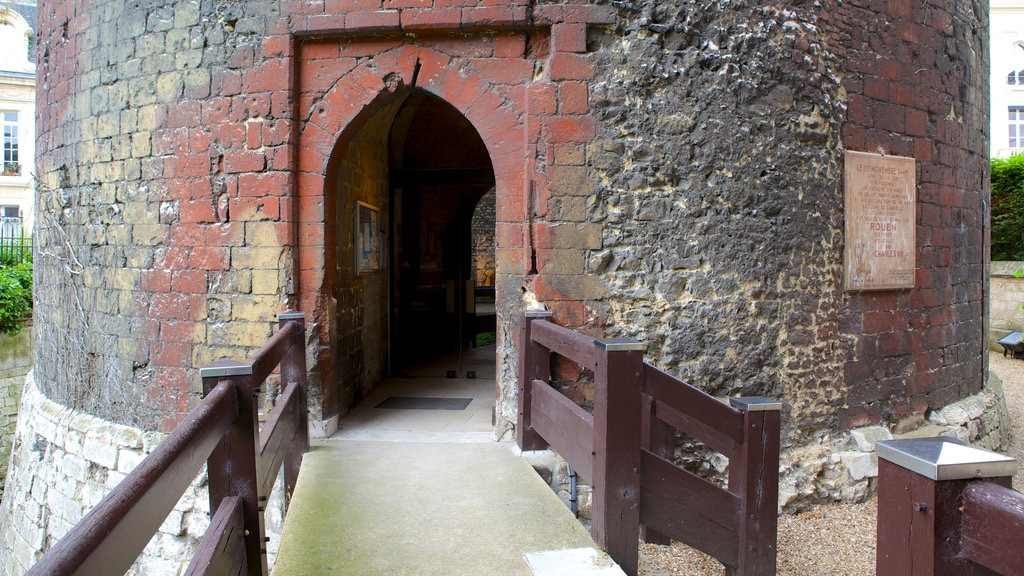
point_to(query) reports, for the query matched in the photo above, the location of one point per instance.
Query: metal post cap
(945, 458)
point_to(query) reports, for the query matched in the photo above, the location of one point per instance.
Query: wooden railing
(625, 449)
(242, 464)
(947, 508)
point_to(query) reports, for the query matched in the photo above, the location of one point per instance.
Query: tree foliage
(15, 297)
(1008, 208)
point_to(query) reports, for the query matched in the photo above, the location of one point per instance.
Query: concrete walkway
(428, 492)
(369, 508)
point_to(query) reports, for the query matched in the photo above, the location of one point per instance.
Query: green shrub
(1008, 208)
(15, 297)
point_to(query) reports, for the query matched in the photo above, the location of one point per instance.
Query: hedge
(15, 297)
(1008, 208)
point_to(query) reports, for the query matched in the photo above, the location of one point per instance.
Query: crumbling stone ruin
(669, 171)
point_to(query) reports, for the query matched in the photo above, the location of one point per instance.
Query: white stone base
(845, 468)
(572, 562)
(63, 463)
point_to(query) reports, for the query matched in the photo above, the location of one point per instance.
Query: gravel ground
(834, 538)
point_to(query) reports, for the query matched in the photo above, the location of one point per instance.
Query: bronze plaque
(881, 222)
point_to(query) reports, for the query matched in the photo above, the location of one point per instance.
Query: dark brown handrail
(697, 413)
(225, 552)
(625, 448)
(111, 536)
(736, 525)
(993, 529)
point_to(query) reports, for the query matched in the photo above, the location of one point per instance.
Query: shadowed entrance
(413, 230)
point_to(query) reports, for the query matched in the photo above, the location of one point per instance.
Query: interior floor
(474, 371)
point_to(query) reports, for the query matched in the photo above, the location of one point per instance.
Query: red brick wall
(918, 86)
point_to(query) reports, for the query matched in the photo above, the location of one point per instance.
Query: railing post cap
(291, 315)
(620, 344)
(945, 458)
(226, 367)
(755, 404)
(536, 313)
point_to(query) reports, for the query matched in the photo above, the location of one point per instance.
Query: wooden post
(534, 364)
(233, 466)
(754, 476)
(658, 438)
(920, 496)
(293, 369)
(615, 504)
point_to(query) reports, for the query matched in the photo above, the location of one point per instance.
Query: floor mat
(423, 403)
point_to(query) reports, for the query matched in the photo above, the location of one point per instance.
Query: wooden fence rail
(625, 449)
(945, 508)
(242, 462)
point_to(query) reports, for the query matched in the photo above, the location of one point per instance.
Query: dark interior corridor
(443, 264)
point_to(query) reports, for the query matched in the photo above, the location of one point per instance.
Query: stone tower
(670, 171)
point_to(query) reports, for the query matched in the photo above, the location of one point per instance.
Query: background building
(1007, 46)
(17, 116)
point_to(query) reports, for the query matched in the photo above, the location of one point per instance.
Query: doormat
(423, 403)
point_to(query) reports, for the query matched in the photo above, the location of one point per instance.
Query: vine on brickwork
(63, 323)
(68, 333)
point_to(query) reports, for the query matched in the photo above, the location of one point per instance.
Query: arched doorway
(440, 170)
(412, 244)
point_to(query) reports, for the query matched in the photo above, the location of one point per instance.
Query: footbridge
(414, 482)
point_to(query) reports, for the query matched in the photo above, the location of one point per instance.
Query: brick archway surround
(496, 110)
(520, 74)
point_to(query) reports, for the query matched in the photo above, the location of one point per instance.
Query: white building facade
(1007, 47)
(17, 116)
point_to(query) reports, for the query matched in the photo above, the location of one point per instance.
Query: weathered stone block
(98, 449)
(127, 460)
(173, 525)
(239, 333)
(865, 438)
(860, 465)
(255, 258)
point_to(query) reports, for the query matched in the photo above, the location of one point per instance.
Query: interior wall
(359, 316)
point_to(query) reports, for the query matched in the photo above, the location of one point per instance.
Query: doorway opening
(442, 235)
(415, 269)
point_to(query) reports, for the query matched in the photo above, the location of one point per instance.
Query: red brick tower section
(198, 195)
(918, 87)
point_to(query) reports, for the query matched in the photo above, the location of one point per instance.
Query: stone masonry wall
(719, 165)
(184, 156)
(64, 462)
(916, 78)
(160, 243)
(1007, 295)
(718, 169)
(15, 363)
(669, 171)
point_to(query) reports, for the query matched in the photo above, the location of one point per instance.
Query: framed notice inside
(881, 222)
(367, 241)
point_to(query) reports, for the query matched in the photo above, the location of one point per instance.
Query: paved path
(395, 508)
(424, 492)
